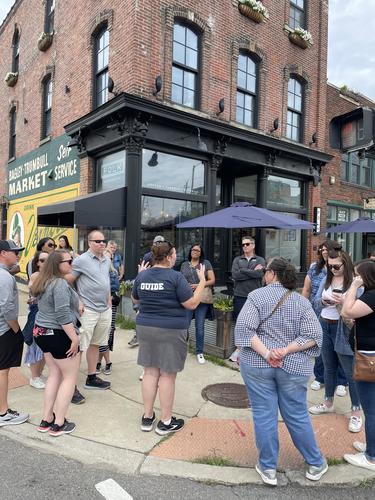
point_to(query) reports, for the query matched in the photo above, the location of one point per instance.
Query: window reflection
(285, 243)
(172, 173)
(245, 189)
(111, 171)
(282, 191)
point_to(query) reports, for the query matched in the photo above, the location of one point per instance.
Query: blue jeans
(200, 315)
(331, 362)
(319, 372)
(268, 390)
(366, 392)
(347, 364)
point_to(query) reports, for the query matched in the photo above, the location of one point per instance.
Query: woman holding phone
(336, 349)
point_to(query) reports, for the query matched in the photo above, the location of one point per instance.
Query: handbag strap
(279, 304)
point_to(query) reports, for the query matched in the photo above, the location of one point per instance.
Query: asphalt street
(27, 473)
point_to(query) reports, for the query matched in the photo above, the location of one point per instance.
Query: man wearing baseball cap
(11, 339)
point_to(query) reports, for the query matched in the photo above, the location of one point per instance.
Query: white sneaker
(320, 409)
(315, 386)
(141, 376)
(360, 460)
(37, 382)
(200, 359)
(355, 424)
(13, 418)
(341, 391)
(359, 446)
(268, 476)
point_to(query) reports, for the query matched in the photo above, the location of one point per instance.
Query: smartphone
(337, 290)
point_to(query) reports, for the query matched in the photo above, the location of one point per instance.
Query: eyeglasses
(69, 261)
(247, 244)
(51, 245)
(336, 267)
(195, 249)
(99, 241)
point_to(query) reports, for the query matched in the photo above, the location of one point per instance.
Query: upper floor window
(12, 133)
(358, 170)
(16, 51)
(185, 66)
(101, 67)
(247, 76)
(297, 14)
(49, 16)
(47, 107)
(295, 110)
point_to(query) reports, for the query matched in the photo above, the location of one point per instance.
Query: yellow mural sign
(22, 221)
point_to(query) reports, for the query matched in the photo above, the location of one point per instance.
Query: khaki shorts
(94, 328)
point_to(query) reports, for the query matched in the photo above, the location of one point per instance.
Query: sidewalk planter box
(218, 335)
(224, 323)
(126, 306)
(11, 79)
(45, 41)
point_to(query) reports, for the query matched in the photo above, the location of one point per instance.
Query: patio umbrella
(361, 225)
(242, 214)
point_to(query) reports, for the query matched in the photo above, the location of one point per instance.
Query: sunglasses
(247, 244)
(69, 261)
(51, 245)
(336, 267)
(41, 260)
(99, 241)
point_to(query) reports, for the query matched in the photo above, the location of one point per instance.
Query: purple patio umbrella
(242, 214)
(361, 225)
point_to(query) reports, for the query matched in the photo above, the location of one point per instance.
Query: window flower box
(301, 38)
(254, 10)
(11, 79)
(45, 41)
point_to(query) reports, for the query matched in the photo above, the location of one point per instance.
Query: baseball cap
(10, 246)
(158, 239)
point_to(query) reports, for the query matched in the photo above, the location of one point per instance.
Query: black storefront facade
(170, 165)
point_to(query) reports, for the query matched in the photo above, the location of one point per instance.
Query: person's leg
(366, 391)
(292, 393)
(319, 369)
(92, 356)
(4, 391)
(238, 303)
(167, 382)
(330, 361)
(341, 379)
(69, 370)
(52, 387)
(37, 368)
(99, 338)
(347, 365)
(200, 317)
(150, 383)
(261, 387)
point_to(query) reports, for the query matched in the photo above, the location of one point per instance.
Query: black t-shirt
(365, 326)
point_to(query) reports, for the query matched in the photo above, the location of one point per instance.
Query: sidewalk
(108, 428)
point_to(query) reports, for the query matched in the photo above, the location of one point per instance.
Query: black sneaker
(98, 368)
(77, 398)
(108, 369)
(148, 423)
(45, 426)
(65, 428)
(96, 383)
(176, 424)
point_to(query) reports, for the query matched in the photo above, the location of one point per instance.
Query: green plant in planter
(224, 304)
(125, 286)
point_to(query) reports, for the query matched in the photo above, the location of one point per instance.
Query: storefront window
(111, 171)
(350, 242)
(160, 216)
(245, 189)
(167, 172)
(284, 192)
(285, 243)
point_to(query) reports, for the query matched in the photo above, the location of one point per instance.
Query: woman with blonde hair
(56, 333)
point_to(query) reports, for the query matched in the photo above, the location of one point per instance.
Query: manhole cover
(228, 395)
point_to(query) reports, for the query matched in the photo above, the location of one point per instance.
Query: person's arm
(194, 301)
(210, 278)
(354, 308)
(61, 299)
(70, 278)
(237, 275)
(7, 305)
(306, 291)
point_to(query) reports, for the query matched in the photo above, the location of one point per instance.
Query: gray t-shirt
(8, 299)
(93, 283)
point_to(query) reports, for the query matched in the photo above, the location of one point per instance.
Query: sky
(351, 43)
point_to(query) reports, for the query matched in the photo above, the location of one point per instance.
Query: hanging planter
(45, 41)
(301, 37)
(11, 79)
(254, 10)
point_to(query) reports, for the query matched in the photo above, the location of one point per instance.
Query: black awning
(105, 208)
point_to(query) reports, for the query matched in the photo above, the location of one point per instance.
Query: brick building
(174, 109)
(348, 181)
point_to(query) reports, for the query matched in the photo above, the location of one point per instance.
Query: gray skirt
(162, 348)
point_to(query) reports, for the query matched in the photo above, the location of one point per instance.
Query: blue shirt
(316, 279)
(117, 261)
(161, 292)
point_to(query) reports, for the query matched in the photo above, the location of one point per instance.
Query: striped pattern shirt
(293, 321)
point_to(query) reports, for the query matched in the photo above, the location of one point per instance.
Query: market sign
(51, 166)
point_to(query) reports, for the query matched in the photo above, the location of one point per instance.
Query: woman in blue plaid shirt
(278, 334)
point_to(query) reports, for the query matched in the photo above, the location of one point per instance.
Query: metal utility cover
(228, 395)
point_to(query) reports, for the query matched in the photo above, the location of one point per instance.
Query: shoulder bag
(364, 364)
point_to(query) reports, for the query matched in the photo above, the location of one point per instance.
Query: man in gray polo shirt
(11, 339)
(90, 271)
